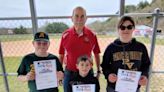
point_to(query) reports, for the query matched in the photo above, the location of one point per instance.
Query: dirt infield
(21, 48)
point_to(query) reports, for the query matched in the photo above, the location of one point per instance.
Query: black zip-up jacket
(76, 79)
(129, 56)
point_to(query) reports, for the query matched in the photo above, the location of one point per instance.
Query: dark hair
(125, 18)
(84, 58)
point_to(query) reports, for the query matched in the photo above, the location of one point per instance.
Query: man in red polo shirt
(75, 42)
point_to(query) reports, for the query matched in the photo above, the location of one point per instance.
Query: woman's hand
(143, 80)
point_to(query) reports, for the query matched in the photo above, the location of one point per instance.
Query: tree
(20, 30)
(130, 8)
(56, 27)
(97, 26)
(142, 4)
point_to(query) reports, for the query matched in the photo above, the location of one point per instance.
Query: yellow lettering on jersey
(129, 65)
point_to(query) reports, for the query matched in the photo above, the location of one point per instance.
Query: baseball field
(17, 46)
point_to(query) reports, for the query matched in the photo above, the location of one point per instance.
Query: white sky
(20, 8)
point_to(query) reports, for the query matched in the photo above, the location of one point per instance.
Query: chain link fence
(15, 46)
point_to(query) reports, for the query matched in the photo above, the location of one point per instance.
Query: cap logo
(41, 35)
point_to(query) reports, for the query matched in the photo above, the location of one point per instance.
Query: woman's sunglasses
(129, 27)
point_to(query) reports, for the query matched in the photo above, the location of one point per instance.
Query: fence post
(33, 17)
(122, 5)
(155, 24)
(4, 74)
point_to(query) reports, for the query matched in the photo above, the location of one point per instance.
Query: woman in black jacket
(125, 53)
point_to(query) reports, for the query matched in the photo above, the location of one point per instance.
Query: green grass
(11, 65)
(6, 38)
(159, 41)
(145, 40)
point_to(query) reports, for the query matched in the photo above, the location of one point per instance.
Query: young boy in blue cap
(26, 70)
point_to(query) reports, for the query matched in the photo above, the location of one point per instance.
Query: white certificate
(84, 88)
(127, 81)
(45, 74)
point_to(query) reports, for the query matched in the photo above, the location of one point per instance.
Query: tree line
(99, 27)
(55, 27)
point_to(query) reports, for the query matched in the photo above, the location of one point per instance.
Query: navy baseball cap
(41, 36)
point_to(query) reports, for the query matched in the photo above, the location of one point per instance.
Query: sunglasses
(129, 27)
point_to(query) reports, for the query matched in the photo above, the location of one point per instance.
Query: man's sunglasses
(129, 27)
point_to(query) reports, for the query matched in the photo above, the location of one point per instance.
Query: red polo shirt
(73, 46)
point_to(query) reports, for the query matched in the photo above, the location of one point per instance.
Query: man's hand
(143, 80)
(112, 78)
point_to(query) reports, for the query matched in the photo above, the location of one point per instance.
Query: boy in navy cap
(26, 71)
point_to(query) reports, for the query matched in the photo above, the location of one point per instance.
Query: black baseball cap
(41, 36)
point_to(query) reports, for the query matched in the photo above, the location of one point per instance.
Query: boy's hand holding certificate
(45, 71)
(127, 80)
